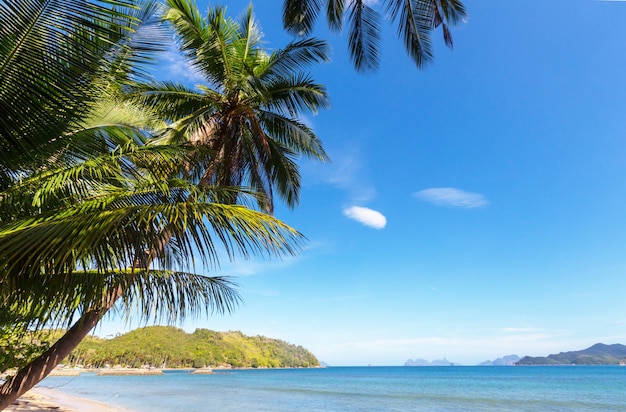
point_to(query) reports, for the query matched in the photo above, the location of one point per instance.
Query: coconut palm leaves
(415, 18)
(50, 53)
(247, 111)
(102, 224)
(90, 202)
(96, 214)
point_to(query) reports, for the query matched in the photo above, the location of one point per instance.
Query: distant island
(509, 360)
(170, 347)
(424, 362)
(598, 354)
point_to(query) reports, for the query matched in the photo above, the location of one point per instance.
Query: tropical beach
(243, 205)
(43, 399)
(352, 389)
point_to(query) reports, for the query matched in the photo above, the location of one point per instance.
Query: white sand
(44, 399)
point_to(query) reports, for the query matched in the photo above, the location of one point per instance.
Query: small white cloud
(366, 216)
(450, 196)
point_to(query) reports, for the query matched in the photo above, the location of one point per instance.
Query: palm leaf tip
(364, 37)
(334, 14)
(299, 16)
(174, 296)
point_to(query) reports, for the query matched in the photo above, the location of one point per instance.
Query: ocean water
(462, 388)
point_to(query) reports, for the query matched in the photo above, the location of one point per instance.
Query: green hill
(170, 347)
(598, 354)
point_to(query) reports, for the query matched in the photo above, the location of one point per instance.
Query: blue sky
(471, 210)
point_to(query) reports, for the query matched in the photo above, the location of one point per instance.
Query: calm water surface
(464, 388)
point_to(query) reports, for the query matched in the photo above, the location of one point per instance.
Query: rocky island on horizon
(508, 360)
(598, 354)
(424, 362)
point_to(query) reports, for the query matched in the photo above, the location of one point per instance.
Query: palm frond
(169, 100)
(299, 15)
(364, 37)
(415, 21)
(295, 95)
(285, 173)
(249, 33)
(153, 295)
(334, 14)
(130, 58)
(294, 57)
(216, 55)
(114, 231)
(48, 52)
(173, 296)
(294, 134)
(190, 26)
(454, 11)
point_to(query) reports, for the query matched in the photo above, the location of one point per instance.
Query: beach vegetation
(95, 211)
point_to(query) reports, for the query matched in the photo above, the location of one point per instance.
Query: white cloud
(366, 216)
(450, 196)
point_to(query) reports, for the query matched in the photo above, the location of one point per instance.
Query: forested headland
(598, 354)
(170, 347)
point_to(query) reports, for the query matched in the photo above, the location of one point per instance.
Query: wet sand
(44, 399)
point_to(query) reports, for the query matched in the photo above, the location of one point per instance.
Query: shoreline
(40, 399)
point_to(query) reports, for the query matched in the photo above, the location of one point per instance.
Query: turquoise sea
(462, 388)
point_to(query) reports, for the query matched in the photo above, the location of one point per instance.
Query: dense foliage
(95, 211)
(170, 347)
(18, 347)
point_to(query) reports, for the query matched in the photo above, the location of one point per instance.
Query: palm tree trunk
(40, 367)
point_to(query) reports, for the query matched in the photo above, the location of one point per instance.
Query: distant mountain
(508, 360)
(424, 362)
(598, 354)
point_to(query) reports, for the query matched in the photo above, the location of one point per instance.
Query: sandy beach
(45, 399)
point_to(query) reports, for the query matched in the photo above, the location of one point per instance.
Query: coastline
(41, 399)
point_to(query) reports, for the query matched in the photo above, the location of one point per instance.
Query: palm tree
(89, 254)
(416, 19)
(247, 112)
(92, 217)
